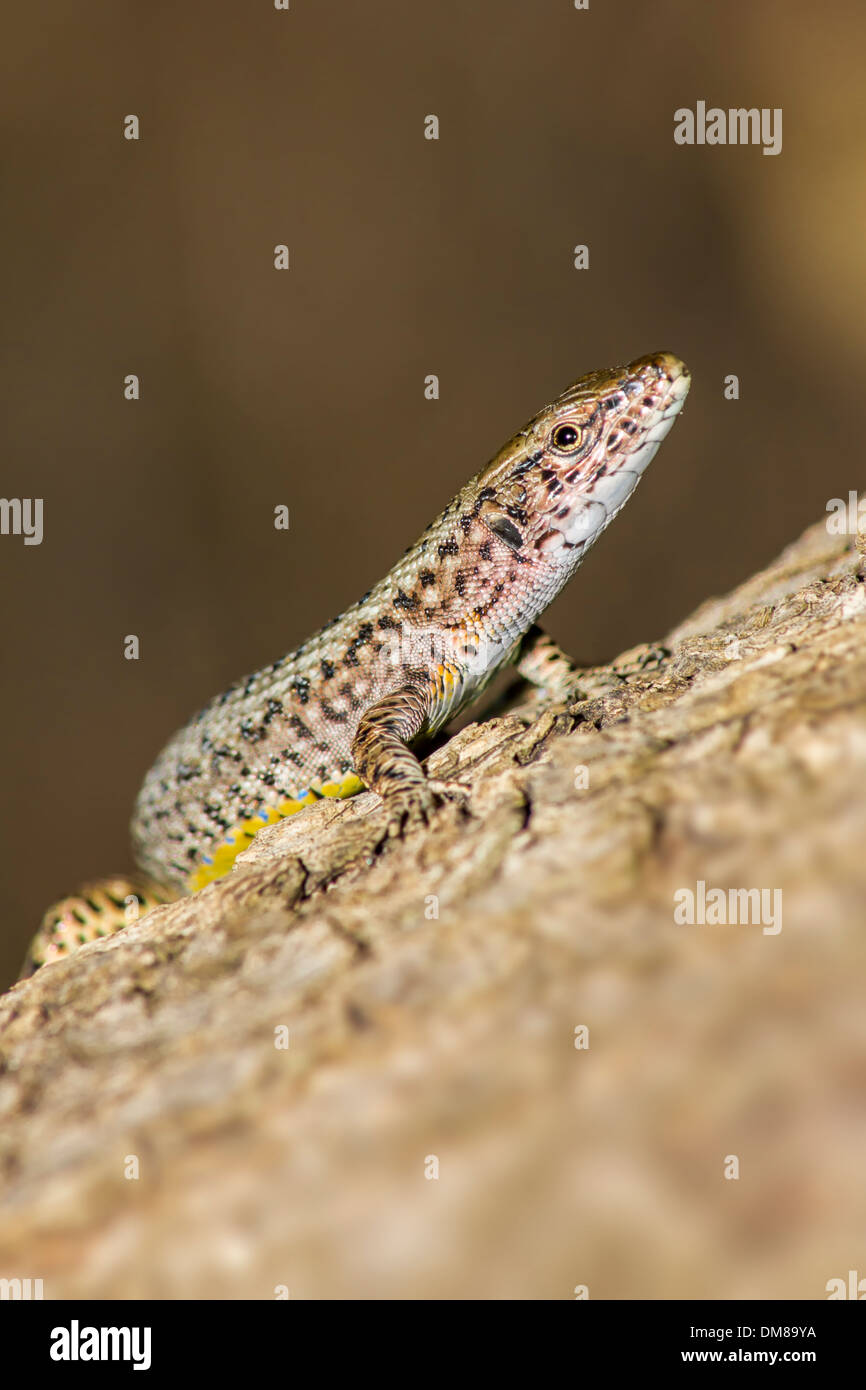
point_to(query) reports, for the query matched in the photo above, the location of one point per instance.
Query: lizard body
(346, 708)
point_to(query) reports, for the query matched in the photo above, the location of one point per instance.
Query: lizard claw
(414, 807)
(641, 659)
(448, 789)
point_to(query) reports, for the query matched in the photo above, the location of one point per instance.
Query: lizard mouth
(641, 402)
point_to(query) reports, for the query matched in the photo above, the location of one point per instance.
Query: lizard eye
(566, 438)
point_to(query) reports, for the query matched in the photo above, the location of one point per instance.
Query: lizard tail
(99, 909)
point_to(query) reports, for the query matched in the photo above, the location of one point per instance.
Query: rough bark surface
(431, 987)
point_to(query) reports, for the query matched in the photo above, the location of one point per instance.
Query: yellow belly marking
(225, 854)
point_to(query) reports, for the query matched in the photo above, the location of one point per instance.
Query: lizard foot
(413, 807)
(639, 660)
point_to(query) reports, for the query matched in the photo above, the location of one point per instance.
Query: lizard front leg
(384, 760)
(545, 665)
(541, 662)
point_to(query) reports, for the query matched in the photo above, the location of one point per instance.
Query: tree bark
(511, 1071)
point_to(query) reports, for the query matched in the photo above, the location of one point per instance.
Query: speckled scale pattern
(396, 665)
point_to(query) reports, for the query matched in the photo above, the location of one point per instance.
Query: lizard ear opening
(503, 527)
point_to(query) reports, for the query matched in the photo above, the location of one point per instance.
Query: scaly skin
(345, 709)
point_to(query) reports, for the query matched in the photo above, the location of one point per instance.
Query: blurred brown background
(408, 257)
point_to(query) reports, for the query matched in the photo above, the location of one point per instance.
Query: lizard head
(552, 490)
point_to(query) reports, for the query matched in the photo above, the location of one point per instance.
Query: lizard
(348, 708)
